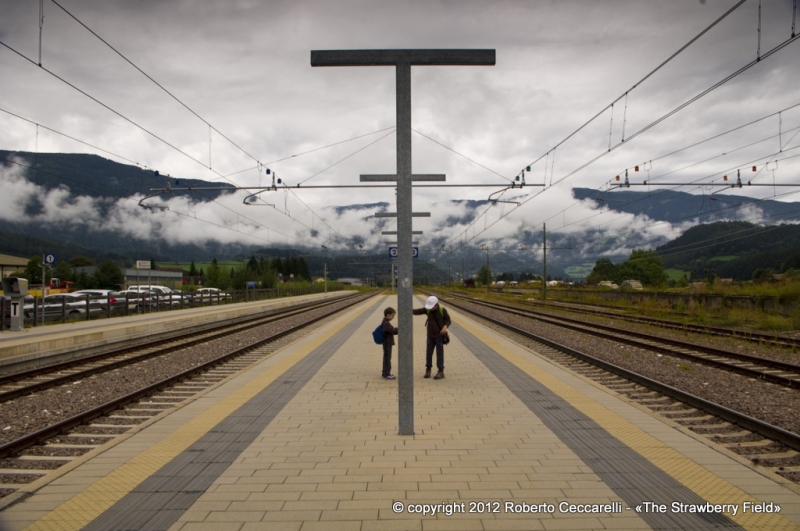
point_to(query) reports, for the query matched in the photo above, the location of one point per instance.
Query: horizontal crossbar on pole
(408, 56)
(394, 214)
(395, 243)
(394, 232)
(386, 178)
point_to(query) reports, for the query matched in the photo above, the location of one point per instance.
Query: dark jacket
(389, 332)
(436, 319)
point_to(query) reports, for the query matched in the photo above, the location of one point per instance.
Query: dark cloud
(244, 67)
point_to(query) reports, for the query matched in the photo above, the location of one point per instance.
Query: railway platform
(59, 342)
(307, 440)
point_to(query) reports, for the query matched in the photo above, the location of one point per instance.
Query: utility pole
(544, 250)
(449, 274)
(325, 271)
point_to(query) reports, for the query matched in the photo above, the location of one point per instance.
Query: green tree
(604, 269)
(252, 265)
(762, 275)
(33, 271)
(484, 275)
(302, 269)
(84, 281)
(643, 265)
(192, 270)
(215, 277)
(239, 276)
(109, 275)
(63, 271)
(81, 261)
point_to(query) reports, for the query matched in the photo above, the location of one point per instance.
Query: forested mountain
(94, 176)
(679, 207)
(734, 249)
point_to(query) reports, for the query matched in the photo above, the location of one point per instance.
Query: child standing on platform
(389, 332)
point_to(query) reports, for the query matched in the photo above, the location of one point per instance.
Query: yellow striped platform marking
(695, 477)
(81, 509)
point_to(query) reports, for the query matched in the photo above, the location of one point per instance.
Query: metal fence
(93, 307)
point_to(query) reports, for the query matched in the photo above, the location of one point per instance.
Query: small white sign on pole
(142, 264)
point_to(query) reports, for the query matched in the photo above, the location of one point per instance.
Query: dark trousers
(387, 359)
(435, 342)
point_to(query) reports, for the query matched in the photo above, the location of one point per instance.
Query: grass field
(676, 274)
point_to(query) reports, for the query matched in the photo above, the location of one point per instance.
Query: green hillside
(733, 249)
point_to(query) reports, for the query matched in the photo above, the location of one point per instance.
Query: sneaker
(390, 376)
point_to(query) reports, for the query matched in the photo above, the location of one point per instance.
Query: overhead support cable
(462, 155)
(170, 94)
(683, 106)
(309, 151)
(70, 137)
(105, 106)
(651, 73)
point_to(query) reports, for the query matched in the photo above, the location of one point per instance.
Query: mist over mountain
(79, 204)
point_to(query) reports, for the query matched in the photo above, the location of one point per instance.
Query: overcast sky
(244, 67)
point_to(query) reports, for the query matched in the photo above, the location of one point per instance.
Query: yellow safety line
(695, 477)
(84, 507)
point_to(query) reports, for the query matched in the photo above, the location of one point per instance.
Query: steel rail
(615, 334)
(208, 334)
(764, 429)
(17, 445)
(754, 337)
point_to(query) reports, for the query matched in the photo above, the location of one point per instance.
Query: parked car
(210, 294)
(55, 306)
(165, 296)
(104, 297)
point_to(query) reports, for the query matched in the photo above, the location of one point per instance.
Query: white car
(210, 294)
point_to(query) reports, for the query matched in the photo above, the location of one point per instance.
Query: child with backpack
(388, 332)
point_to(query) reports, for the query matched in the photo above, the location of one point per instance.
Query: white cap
(432, 301)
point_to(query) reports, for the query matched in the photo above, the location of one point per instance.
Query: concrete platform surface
(64, 339)
(307, 440)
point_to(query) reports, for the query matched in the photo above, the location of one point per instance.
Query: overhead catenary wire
(657, 121)
(719, 135)
(159, 85)
(309, 151)
(71, 137)
(645, 78)
(121, 157)
(120, 114)
(462, 155)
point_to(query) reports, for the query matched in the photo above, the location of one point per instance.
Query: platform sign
(49, 259)
(142, 264)
(393, 252)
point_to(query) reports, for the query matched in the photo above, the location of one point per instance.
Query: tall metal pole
(405, 288)
(544, 249)
(402, 61)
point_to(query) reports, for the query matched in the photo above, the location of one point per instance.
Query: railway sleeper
(755, 450)
(715, 430)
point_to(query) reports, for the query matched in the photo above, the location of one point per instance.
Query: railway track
(763, 444)
(38, 379)
(773, 371)
(34, 455)
(718, 331)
